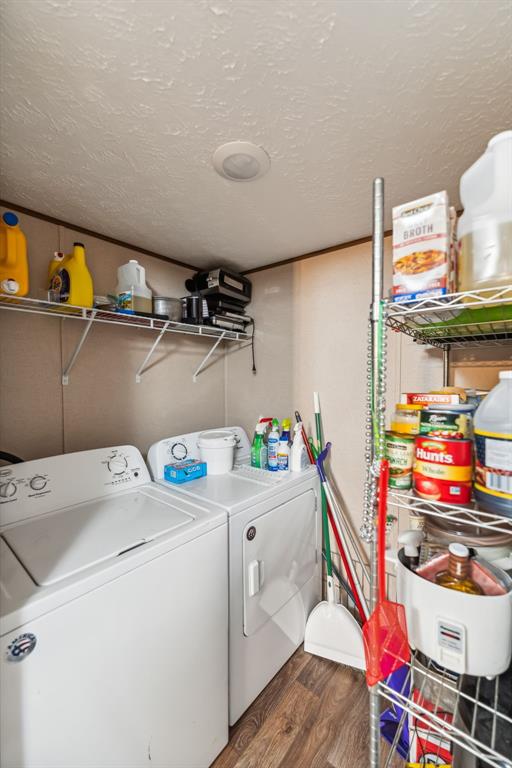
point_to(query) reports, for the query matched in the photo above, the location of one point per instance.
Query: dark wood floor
(313, 714)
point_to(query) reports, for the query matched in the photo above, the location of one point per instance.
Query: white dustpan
(333, 633)
(331, 630)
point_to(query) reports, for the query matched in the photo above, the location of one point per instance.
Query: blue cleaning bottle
(273, 446)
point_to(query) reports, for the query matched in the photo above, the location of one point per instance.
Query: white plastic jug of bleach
(485, 227)
(132, 291)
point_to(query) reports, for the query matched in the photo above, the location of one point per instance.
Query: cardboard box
(423, 256)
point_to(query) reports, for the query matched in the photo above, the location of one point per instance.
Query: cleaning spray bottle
(258, 447)
(299, 459)
(13, 257)
(273, 446)
(283, 452)
(71, 281)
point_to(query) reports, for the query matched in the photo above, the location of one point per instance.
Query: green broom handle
(325, 519)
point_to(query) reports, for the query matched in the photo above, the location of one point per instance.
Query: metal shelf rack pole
(375, 310)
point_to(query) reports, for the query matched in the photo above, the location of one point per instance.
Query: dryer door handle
(255, 576)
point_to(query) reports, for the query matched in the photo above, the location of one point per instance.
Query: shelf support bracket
(138, 375)
(207, 357)
(73, 358)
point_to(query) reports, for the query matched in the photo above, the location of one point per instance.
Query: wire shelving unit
(470, 717)
(93, 315)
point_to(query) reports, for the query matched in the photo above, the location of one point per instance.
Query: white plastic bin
(217, 449)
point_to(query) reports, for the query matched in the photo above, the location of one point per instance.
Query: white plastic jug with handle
(132, 291)
(493, 449)
(485, 227)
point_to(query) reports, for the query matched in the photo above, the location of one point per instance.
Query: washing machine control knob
(38, 483)
(117, 465)
(8, 489)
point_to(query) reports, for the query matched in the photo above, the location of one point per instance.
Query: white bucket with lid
(217, 449)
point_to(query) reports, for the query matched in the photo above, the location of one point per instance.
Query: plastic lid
(133, 261)
(459, 550)
(216, 438)
(505, 374)
(286, 423)
(407, 407)
(80, 245)
(10, 219)
(275, 423)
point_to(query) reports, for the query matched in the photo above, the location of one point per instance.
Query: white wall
(102, 405)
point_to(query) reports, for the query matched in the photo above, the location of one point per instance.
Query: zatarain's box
(423, 257)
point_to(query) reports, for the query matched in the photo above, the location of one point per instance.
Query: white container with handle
(485, 227)
(132, 291)
(217, 449)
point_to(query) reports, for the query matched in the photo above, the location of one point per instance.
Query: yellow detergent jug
(70, 280)
(13, 257)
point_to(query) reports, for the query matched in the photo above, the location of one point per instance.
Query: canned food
(400, 454)
(441, 422)
(442, 469)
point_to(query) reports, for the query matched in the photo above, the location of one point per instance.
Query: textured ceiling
(111, 112)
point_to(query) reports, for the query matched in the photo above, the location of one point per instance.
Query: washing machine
(275, 557)
(113, 617)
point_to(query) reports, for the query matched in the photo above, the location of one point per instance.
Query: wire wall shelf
(94, 315)
(481, 522)
(468, 319)
(450, 712)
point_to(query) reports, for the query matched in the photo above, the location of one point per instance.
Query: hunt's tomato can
(442, 469)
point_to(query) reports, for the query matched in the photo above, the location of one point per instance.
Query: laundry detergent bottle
(71, 281)
(493, 443)
(13, 257)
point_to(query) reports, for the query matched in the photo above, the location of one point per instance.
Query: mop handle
(381, 528)
(334, 511)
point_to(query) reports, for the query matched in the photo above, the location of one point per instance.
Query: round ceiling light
(241, 161)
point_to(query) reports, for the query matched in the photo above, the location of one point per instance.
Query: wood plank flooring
(313, 714)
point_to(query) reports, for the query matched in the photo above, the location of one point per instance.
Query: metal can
(446, 423)
(442, 469)
(400, 454)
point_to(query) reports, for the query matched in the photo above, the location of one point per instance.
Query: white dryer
(275, 554)
(113, 617)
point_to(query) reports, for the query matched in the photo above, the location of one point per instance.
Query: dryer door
(280, 552)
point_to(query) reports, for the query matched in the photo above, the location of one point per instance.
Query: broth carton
(423, 256)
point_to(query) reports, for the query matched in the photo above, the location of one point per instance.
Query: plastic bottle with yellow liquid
(13, 257)
(70, 279)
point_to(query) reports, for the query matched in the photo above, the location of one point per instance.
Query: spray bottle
(299, 459)
(283, 453)
(259, 448)
(273, 446)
